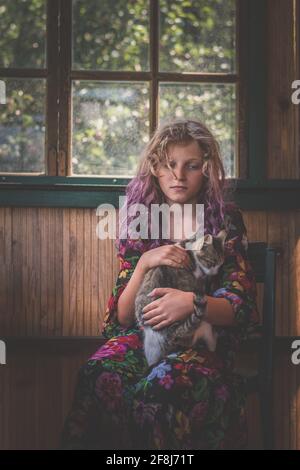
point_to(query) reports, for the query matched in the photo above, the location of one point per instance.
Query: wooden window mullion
(154, 63)
(51, 141)
(242, 40)
(257, 92)
(65, 89)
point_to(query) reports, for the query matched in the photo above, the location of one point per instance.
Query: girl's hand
(174, 305)
(169, 255)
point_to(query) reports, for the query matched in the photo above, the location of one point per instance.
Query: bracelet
(200, 304)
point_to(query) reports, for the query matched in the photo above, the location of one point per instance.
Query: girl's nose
(179, 174)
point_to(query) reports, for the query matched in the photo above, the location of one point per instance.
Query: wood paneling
(283, 69)
(57, 275)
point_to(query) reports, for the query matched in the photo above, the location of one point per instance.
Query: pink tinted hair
(144, 187)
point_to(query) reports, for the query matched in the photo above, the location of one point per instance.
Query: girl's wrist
(142, 266)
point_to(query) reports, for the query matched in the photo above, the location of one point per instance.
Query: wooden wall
(56, 277)
(61, 271)
(283, 68)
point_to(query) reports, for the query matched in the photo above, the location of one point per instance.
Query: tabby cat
(206, 255)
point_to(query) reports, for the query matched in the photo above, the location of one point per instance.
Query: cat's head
(206, 253)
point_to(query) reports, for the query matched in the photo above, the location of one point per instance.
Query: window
(23, 70)
(87, 82)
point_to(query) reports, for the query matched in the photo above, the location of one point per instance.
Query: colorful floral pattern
(192, 399)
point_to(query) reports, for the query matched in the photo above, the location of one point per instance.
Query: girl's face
(186, 162)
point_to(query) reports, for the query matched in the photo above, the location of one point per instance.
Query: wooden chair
(263, 260)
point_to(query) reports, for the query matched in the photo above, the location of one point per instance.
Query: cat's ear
(195, 243)
(222, 236)
(187, 242)
(181, 243)
(208, 239)
(199, 243)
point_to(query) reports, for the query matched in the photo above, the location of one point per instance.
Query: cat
(207, 256)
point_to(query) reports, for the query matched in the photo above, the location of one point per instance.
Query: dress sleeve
(128, 261)
(236, 277)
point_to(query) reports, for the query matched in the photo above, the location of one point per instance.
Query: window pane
(110, 127)
(22, 33)
(214, 104)
(22, 126)
(111, 35)
(197, 36)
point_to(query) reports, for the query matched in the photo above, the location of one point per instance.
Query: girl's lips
(179, 188)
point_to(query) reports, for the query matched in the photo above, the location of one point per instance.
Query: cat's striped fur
(207, 255)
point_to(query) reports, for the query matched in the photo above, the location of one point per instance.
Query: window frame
(59, 188)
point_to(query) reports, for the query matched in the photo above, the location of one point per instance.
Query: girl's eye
(191, 166)
(194, 166)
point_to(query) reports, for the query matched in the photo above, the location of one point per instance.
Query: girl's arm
(134, 263)
(125, 307)
(219, 311)
(128, 261)
(172, 256)
(237, 282)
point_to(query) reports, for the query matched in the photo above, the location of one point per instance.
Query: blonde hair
(144, 187)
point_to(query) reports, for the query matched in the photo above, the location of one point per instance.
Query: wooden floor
(37, 386)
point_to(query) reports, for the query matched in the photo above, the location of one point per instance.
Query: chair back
(263, 261)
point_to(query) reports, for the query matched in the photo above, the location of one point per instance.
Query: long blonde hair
(144, 187)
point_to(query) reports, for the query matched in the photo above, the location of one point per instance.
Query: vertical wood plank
(274, 238)
(293, 405)
(95, 272)
(87, 272)
(44, 271)
(294, 271)
(7, 271)
(59, 291)
(80, 327)
(297, 274)
(50, 329)
(66, 271)
(26, 265)
(282, 113)
(3, 287)
(72, 274)
(17, 259)
(285, 281)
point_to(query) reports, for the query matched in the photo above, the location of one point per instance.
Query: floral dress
(192, 399)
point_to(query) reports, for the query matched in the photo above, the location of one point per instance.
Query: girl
(192, 399)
